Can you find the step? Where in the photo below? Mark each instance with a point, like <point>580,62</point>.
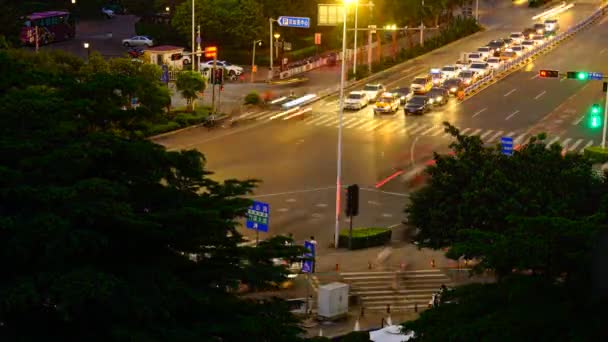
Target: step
<point>369,277</point>
<point>426,281</point>
<point>407,307</point>
<point>425,276</point>
<point>430,270</point>
<point>397,297</point>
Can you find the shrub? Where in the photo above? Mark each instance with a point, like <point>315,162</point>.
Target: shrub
<point>161,128</point>
<point>366,237</point>
<point>596,154</point>
<point>253,98</point>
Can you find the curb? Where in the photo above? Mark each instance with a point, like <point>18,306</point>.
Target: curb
<point>166,134</point>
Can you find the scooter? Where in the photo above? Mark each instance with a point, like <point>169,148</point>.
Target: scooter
<point>136,52</point>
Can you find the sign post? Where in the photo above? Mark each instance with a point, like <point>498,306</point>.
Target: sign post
<point>507,146</point>
<point>258,217</point>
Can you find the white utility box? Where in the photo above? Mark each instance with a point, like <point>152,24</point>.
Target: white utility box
<point>333,301</point>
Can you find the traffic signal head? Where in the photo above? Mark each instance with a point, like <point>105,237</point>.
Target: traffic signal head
<point>352,200</point>
<point>595,120</point>
<point>578,75</point>
<point>596,109</point>
<point>549,73</point>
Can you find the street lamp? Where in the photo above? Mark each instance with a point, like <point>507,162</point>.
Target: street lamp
<point>276,44</point>
<point>253,67</point>
<point>73,2</point>
<point>167,9</point>
<point>340,115</point>
<point>87,46</point>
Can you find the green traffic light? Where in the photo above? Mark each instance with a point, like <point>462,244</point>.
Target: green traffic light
<point>582,75</point>
<point>595,110</point>
<point>595,122</point>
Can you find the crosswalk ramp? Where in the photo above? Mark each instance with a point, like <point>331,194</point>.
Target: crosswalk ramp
<point>395,290</point>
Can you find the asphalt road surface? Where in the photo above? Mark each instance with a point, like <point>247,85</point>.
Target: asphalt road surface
<point>296,158</point>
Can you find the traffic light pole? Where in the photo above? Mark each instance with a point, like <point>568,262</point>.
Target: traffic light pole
<point>213,86</point>
<point>604,123</point>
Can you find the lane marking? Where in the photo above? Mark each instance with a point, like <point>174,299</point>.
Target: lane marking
<point>578,142</point>
<point>510,92</point>
<point>327,120</point>
<point>287,112</point>
<point>253,114</point>
<point>302,112</point>
<point>346,122</point>
<point>476,131</point>
<point>292,192</point>
<point>357,122</point>
<point>392,127</point>
<point>511,115</point>
<point>439,131</point>
<point>380,123</point>
<point>332,123</point>
<point>577,121</point>
<point>562,79</point>
<point>317,119</point>
<point>492,138</point>
<point>510,134</point>
<point>428,130</point>
<point>540,95</point>
<point>602,51</point>
<point>519,138</point>
<point>480,111</point>
<point>486,134</point>
<point>552,141</point>
<point>418,130</point>
<point>369,123</point>
<point>533,77</point>
<point>388,179</point>
<point>464,131</point>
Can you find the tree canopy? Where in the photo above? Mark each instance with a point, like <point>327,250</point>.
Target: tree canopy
<point>105,236</point>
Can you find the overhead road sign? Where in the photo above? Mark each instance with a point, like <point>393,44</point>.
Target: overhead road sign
<point>299,22</point>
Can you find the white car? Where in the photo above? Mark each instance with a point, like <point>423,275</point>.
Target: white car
<point>538,39</point>
<point>138,41</point>
<point>482,69</point>
<point>475,57</point>
<point>485,51</point>
<point>517,37</point>
<point>373,91</point>
<point>494,62</point>
<point>356,100</point>
<point>551,25</point>
<point>518,49</point>
<point>108,12</point>
<point>450,71</point>
<point>231,69</point>
<point>528,44</point>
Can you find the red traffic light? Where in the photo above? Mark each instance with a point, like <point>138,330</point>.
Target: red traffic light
<point>211,51</point>
<point>548,73</point>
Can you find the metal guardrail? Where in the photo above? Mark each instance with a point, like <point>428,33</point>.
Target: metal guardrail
<point>517,62</point>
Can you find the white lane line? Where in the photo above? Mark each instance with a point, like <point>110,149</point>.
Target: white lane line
<point>577,121</point>
<point>333,122</point>
<point>323,122</point>
<point>317,119</point>
<point>578,142</point>
<point>492,138</point>
<point>439,131</point>
<point>419,129</point>
<point>510,134</point>
<point>476,131</point>
<point>510,92</point>
<point>586,145</point>
<point>552,141</point>
<point>346,122</point>
<point>486,134</point>
<point>602,51</point>
<point>562,79</point>
<point>378,124</point>
<point>428,130</point>
<point>565,143</point>
<point>519,138</point>
<point>357,122</point>
<point>480,111</point>
<point>511,115</point>
<point>540,95</point>
<point>464,131</point>
<point>533,77</point>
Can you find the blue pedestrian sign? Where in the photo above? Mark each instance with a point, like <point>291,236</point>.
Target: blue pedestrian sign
<point>307,264</point>
<point>258,216</point>
<point>299,22</point>
<point>506,146</point>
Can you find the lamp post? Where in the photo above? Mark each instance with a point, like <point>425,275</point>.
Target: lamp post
<point>356,26</point>
<point>340,115</point>
<point>87,46</point>
<point>276,44</point>
<point>194,68</point>
<point>253,68</point>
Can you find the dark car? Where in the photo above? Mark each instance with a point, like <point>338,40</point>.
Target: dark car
<point>453,85</point>
<point>508,42</point>
<point>404,94</point>
<point>528,33</point>
<point>418,104</point>
<point>438,96</point>
<point>497,45</point>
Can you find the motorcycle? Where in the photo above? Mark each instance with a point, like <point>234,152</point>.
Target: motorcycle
<point>136,52</point>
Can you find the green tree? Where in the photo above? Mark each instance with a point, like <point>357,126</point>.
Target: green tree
<point>189,83</point>
<point>108,237</point>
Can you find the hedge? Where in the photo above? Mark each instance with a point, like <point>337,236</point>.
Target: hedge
<point>366,237</point>
<point>596,154</point>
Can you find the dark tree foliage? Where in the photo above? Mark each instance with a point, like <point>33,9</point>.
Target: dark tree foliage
<point>108,237</point>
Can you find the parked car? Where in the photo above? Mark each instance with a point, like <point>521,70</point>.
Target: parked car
<point>404,94</point>
<point>438,96</point>
<point>517,37</point>
<point>482,69</point>
<point>518,49</point>
<point>468,77</point>
<point>475,57</point>
<point>450,71</point>
<point>387,103</point>
<point>356,100</point>
<point>453,85</point>
<point>538,39</point>
<point>138,41</point>
<point>231,69</point>
<point>528,44</point>
<point>494,62</point>
<point>508,55</point>
<point>418,104</point>
<point>485,51</point>
<point>422,84</point>
<point>373,91</point>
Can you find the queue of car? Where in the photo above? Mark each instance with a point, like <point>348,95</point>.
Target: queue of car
<point>435,88</point>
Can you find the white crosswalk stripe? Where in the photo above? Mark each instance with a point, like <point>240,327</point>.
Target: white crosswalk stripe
<point>519,139</point>
<point>409,128</point>
<point>253,115</point>
<point>552,141</point>
<point>333,121</point>
<point>326,120</point>
<point>315,119</point>
<point>428,130</point>
<point>346,122</point>
<point>510,134</point>
<point>486,134</point>
<point>418,130</point>
<point>464,131</point>
<point>565,143</point>
<point>476,131</point>
<point>438,131</point>
<point>586,145</point>
<point>392,127</point>
<point>492,138</point>
<point>378,124</point>
<point>367,125</point>
<point>578,142</point>
<point>265,116</point>
<point>357,122</point>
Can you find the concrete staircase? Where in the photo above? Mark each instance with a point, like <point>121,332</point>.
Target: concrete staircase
<point>402,290</point>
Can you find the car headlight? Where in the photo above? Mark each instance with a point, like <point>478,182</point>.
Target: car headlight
<point>430,100</point>
<point>467,81</point>
<point>439,98</point>
<point>453,89</point>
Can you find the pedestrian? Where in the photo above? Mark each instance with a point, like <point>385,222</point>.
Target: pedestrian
<point>289,242</point>
<point>460,94</point>
<point>314,255</point>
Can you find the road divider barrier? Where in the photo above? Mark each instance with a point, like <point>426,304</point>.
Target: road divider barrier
<point>300,101</point>
<point>525,58</point>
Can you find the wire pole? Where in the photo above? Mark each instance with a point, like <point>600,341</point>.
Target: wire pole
<point>605,118</point>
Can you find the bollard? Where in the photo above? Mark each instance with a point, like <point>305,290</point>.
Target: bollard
<point>337,267</point>
<point>388,308</point>
<point>402,266</point>
<point>369,265</point>
<point>433,263</point>
<point>362,312</point>
<point>415,307</point>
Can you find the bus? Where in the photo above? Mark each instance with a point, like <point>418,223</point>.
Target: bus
<point>52,26</point>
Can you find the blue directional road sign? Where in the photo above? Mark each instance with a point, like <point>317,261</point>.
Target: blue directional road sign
<point>598,76</point>
<point>507,146</point>
<point>307,265</point>
<point>258,216</point>
<point>299,22</point>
